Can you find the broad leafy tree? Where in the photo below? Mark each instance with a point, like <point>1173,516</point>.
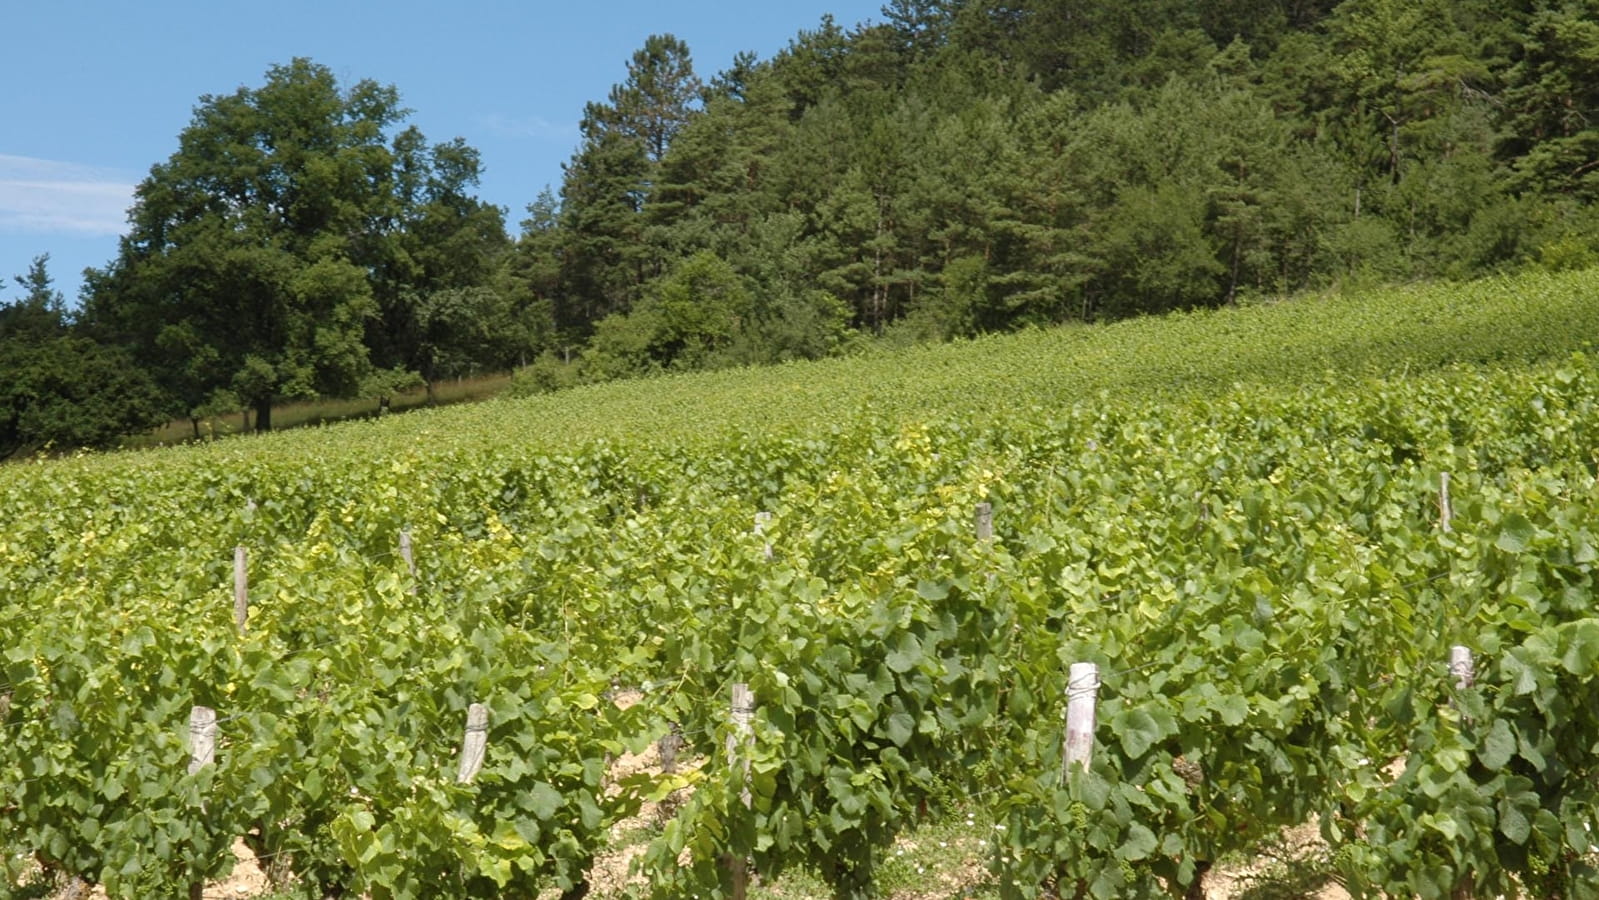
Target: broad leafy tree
<point>259,251</point>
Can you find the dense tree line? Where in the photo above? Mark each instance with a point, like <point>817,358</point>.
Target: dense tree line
<point>973,166</point>
<point>961,166</point>
<point>59,388</point>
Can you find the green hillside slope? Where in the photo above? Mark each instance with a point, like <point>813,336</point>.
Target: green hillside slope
<point>1507,320</point>
<point>1240,517</point>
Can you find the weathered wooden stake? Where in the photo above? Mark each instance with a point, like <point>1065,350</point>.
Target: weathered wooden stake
<point>1446,511</point>
<point>743,712</point>
<point>761,521</point>
<point>202,753</point>
<point>1461,667</point>
<point>474,743</point>
<point>408,556</point>
<point>1463,670</point>
<point>985,521</point>
<point>241,589</point>
<point>202,738</point>
<point>1082,695</point>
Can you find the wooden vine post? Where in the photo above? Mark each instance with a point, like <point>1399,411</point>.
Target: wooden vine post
<point>202,738</point>
<point>474,743</point>
<point>985,522</point>
<point>202,753</point>
<point>1082,697</point>
<point>762,519</point>
<point>406,554</point>
<point>738,742</point>
<point>1446,511</point>
<point>1463,670</point>
<point>241,589</point>
<point>1461,667</point>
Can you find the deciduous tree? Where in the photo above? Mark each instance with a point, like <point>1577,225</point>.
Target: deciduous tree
<point>258,252</point>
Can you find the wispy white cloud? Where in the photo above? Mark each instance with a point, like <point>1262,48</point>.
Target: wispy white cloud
<point>44,195</point>
<point>529,126</point>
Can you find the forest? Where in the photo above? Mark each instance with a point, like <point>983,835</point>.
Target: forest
<point>959,167</point>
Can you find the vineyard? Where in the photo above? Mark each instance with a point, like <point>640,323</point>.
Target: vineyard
<point>1267,528</point>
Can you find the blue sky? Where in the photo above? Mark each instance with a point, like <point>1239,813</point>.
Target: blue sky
<point>94,93</point>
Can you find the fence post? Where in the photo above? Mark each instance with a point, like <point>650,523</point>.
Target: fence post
<point>742,713</point>
<point>985,522</point>
<point>202,753</point>
<point>1082,695</point>
<point>241,589</point>
<point>1463,670</point>
<point>474,743</point>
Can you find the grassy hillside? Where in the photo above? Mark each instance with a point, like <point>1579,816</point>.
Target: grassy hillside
<point>1507,320</point>
<point>1149,517</point>
<point>1405,330</point>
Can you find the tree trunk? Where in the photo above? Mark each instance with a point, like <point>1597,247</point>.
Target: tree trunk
<point>1196,891</point>
<point>1238,253</point>
<point>263,414</point>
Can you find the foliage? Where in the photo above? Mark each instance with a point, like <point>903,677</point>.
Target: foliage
<point>68,392</point>
<point>544,375</point>
<point>283,227</point>
<point>972,167</point>
<point>1259,571</point>
<point>383,384</point>
<point>962,167</point>
<point>60,390</point>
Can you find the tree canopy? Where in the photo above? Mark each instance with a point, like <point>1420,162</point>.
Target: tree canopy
<point>968,165</point>
<point>290,236</point>
<point>62,390</point>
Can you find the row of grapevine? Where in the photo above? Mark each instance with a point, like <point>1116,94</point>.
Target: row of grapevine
<point>1261,577</point>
